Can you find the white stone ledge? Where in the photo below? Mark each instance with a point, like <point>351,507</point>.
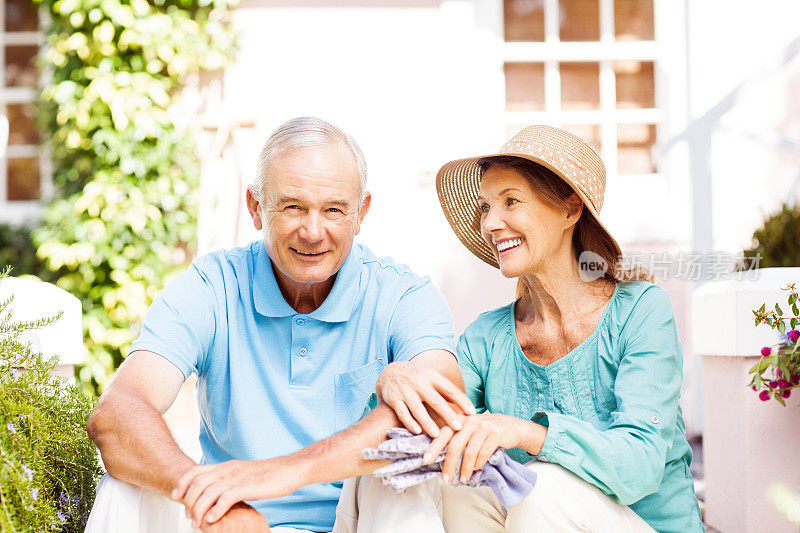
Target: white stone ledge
<point>34,300</point>
<point>722,312</point>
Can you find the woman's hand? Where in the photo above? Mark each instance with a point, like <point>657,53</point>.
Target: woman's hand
<point>406,388</point>
<point>208,491</point>
<point>481,435</point>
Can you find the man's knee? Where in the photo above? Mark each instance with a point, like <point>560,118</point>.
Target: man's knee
<point>125,508</point>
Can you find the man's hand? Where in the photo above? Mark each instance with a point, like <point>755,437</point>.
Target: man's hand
<point>208,491</point>
<point>406,388</point>
<point>241,518</point>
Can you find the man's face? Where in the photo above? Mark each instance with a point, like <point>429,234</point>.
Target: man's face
<point>310,212</point>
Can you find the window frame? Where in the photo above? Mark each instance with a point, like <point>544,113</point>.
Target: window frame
<point>552,51</point>
<point>21,211</point>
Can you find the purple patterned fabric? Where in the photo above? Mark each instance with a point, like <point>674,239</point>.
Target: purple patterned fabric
<point>508,479</point>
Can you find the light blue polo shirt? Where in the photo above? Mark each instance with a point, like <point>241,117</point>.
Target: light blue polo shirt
<point>272,381</point>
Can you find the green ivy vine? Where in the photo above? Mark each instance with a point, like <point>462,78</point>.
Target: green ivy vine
<point>125,170</point>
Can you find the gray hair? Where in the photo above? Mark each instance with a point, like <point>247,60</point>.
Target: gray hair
<point>305,132</point>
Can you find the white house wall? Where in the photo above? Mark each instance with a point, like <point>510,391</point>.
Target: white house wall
<point>744,92</point>
<point>416,86</point>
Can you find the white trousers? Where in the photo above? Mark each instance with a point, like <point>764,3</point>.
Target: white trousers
<point>368,506</point>
<point>124,508</point>
<point>559,501</point>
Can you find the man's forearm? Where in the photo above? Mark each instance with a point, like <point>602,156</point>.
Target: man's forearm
<point>339,456</point>
<point>136,445</point>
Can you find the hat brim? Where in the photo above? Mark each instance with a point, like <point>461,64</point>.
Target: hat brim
<point>458,183</point>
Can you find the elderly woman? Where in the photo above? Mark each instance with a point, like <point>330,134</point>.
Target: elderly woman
<point>582,372</point>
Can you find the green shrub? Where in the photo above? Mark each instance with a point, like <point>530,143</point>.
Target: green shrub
<point>125,174</point>
<point>48,466</point>
<point>778,240</point>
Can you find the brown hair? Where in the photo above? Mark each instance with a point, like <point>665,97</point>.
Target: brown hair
<point>588,234</point>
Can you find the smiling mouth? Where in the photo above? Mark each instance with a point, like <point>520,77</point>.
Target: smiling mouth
<point>306,254</point>
<point>510,244</point>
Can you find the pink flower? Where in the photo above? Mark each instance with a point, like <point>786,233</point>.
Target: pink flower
<point>766,350</point>
<point>794,335</point>
<point>773,384</point>
<point>796,379</point>
<point>754,387</point>
<point>786,393</point>
<point>783,384</point>
<point>764,396</point>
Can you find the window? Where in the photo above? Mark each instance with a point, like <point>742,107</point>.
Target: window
<point>591,67</point>
<point>21,169</point>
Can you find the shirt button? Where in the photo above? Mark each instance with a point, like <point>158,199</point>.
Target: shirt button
<point>303,352</point>
<point>655,419</point>
<point>299,321</point>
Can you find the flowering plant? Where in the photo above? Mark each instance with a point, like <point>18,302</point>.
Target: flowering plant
<point>778,371</point>
<point>48,466</point>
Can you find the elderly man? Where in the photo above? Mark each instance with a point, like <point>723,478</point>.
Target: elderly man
<point>288,337</point>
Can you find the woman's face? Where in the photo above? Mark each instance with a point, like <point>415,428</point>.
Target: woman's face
<point>522,230</point>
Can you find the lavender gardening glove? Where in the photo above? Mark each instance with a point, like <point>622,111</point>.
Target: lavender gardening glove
<point>509,480</point>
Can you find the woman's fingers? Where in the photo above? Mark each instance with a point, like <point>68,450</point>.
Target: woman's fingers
<point>471,454</point>
<point>437,445</point>
<point>454,451</point>
<point>487,449</point>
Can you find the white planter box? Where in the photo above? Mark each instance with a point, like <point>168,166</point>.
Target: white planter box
<point>748,445</point>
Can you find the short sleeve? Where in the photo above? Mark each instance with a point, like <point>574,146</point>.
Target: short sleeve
<point>180,324</point>
<point>420,322</point>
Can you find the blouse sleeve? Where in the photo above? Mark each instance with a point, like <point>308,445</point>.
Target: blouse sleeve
<point>626,460</point>
<point>466,353</point>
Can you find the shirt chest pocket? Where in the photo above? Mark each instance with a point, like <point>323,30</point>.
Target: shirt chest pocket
<point>352,390</point>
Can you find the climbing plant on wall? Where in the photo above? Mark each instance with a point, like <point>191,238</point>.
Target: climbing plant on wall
<point>125,169</point>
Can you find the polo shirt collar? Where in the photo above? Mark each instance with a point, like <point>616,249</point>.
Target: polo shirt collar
<point>337,307</point>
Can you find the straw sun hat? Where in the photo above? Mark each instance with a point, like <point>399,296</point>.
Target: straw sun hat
<point>569,157</point>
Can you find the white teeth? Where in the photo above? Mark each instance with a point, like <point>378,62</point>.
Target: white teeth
<point>307,253</point>
<point>505,245</point>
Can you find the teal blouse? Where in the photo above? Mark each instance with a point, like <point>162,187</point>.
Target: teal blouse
<point>611,404</point>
